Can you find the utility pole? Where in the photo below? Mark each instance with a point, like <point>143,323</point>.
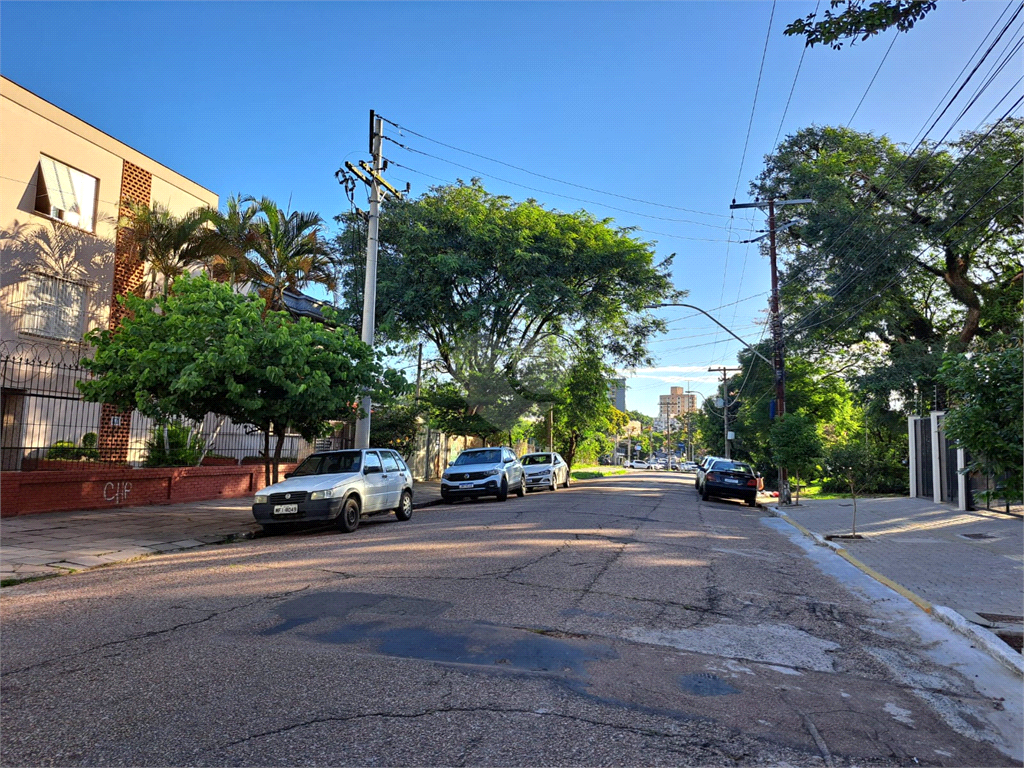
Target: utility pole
<point>725,403</point>
<point>371,175</point>
<point>776,319</point>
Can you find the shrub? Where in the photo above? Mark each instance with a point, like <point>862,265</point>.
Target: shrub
<point>63,449</point>
<point>183,449</point>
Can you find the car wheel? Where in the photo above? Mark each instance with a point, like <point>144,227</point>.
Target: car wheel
<point>521,490</point>
<point>503,490</point>
<point>752,501</point>
<point>404,509</point>
<point>704,495</point>
<point>446,498</point>
<point>565,483</point>
<point>554,483</point>
<point>348,520</point>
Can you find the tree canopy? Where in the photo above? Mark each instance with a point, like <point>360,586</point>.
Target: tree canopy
<point>490,283</point>
<point>859,19</point>
<point>914,250</point>
<point>205,349</point>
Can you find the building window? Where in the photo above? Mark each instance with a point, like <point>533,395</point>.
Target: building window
<point>53,308</point>
<point>67,194</point>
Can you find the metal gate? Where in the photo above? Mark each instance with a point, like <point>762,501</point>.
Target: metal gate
<point>923,433</point>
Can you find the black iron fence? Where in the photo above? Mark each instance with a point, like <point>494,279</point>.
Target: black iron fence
<point>47,425</point>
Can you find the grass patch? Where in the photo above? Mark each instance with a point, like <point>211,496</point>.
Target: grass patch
<point>589,473</point>
<point>815,492</point>
<point>26,580</point>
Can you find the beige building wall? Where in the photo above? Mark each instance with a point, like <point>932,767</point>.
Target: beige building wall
<point>33,243</point>
<point>676,403</point>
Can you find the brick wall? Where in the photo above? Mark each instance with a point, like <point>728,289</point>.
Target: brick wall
<point>29,493</point>
<point>136,186</point>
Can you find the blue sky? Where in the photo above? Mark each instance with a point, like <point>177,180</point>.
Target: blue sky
<point>650,101</point>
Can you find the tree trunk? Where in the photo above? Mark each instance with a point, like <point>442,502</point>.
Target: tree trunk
<point>280,432</point>
<point>797,475</point>
<point>266,454</point>
<point>853,493</point>
<point>207,445</point>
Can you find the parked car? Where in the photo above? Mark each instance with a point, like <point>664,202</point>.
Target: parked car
<point>638,464</point>
<point>338,485</point>
<point>702,467</point>
<point>545,470</point>
<point>688,466</point>
<point>483,472</point>
<point>729,479</point>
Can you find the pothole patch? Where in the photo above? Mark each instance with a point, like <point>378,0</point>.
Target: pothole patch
<point>766,643</point>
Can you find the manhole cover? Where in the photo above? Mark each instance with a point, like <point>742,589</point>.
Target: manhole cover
<point>977,535</point>
<point>705,684</point>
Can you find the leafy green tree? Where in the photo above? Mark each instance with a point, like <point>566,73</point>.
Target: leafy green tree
<point>796,445</point>
<point>986,390</point>
<point>169,244</point>
<point>232,237</point>
<point>903,255</point>
<point>204,349</point>
<point>396,425</point>
<point>859,19</point>
<point>490,282</point>
<point>583,410</point>
<point>851,463</point>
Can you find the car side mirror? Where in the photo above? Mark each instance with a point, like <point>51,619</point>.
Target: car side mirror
<point>287,475</point>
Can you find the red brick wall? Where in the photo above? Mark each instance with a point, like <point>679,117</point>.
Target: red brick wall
<point>29,493</point>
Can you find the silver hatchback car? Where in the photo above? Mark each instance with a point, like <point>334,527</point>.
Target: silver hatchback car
<point>340,486</point>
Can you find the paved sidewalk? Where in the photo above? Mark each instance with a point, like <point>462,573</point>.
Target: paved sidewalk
<point>62,542</point>
<point>971,562</point>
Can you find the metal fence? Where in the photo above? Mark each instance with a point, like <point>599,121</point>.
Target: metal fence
<point>47,425</point>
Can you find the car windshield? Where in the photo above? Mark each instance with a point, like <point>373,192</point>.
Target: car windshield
<point>329,464</point>
<point>477,457</point>
<point>537,458</point>
<point>732,466</point>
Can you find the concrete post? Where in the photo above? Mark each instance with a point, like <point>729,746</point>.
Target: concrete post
<point>912,454</point>
<point>961,480</point>
<point>936,458</point>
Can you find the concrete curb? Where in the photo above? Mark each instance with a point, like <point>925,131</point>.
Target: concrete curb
<point>981,637</point>
<point>984,639</point>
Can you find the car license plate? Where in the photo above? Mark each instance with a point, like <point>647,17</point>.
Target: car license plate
<point>465,485</point>
<point>732,480</point>
<point>286,509</point>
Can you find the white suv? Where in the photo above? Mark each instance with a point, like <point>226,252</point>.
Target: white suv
<point>483,472</point>
<point>340,486</point>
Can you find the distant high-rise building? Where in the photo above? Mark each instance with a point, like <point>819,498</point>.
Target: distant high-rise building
<point>676,403</point>
<point>617,393</point>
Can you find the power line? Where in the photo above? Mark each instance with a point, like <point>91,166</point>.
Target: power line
<point>543,191</point>
<point>402,128</point>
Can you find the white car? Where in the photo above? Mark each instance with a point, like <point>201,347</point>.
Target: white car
<point>545,470</point>
<point>338,485</point>
<point>638,464</point>
<point>483,472</point>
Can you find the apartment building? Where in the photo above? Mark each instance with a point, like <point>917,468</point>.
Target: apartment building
<point>675,404</point>
<point>64,263</point>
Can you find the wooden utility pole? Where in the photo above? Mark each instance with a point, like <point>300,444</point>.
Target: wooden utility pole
<point>725,403</point>
<point>776,319</point>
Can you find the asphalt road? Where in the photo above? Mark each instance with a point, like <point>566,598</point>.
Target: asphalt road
<point>619,622</point>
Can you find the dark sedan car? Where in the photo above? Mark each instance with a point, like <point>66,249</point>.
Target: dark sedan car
<point>730,480</point>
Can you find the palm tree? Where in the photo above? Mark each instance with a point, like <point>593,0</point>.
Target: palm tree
<point>169,244</point>
<point>288,252</point>
<point>232,236</point>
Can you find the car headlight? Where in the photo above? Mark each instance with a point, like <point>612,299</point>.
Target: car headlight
<point>493,471</point>
<point>328,494</point>
<point>262,498</point>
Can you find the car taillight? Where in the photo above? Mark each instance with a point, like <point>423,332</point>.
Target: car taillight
<point>712,477</point>
<point>752,482</point>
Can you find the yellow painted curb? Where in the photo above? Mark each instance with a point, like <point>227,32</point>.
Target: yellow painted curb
<point>920,602</point>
